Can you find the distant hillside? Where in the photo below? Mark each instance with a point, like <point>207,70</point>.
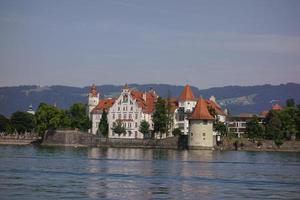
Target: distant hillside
<point>236,98</point>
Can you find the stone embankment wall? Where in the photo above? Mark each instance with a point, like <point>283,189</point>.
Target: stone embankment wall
<point>264,145</point>
<point>69,138</point>
<point>76,138</point>
<point>18,139</point>
<point>166,143</point>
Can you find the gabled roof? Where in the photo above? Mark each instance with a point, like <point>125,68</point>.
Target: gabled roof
<point>201,112</point>
<point>276,107</point>
<point>103,104</point>
<point>215,106</point>
<point>145,100</point>
<point>187,94</point>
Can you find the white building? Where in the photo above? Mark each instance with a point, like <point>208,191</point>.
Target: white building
<point>131,107</point>
<point>186,105</point>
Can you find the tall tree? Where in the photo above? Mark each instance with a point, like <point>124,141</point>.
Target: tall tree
<point>144,128</point>
<point>47,117</point>
<point>254,129</point>
<point>5,125</point>
<point>23,121</point>
<point>160,117</point>
<point>79,119</point>
<point>103,125</point>
<point>273,127</point>
<point>290,103</point>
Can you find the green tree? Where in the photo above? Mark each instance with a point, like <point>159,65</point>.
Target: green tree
<point>5,125</point>
<point>273,127</point>
<point>220,127</point>
<point>144,128</point>
<point>160,117</point>
<point>118,127</point>
<point>176,132</point>
<point>23,121</point>
<point>79,119</point>
<point>290,103</point>
<point>103,125</point>
<point>254,129</point>
<point>48,117</point>
<point>288,117</point>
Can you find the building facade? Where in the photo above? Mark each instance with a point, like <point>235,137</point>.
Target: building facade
<point>131,107</point>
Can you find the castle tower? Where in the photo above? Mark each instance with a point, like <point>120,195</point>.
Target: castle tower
<point>93,99</point>
<point>187,102</point>
<point>201,127</point>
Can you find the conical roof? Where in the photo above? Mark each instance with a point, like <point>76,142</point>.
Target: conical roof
<point>186,94</point>
<point>201,112</point>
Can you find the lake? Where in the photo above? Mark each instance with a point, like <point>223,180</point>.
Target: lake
<point>32,172</point>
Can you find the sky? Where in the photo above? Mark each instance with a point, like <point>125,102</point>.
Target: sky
<point>203,43</point>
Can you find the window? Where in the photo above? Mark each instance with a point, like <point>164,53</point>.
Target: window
<point>129,125</point>
<point>135,124</point>
<point>124,116</point>
<point>113,116</point>
<point>203,134</point>
<point>131,108</point>
<point>192,134</point>
<point>204,122</point>
<point>119,116</point>
<point>124,133</point>
<point>130,116</point>
<point>125,98</point>
<point>136,116</point>
<point>119,108</point>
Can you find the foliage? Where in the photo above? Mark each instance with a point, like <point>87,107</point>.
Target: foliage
<point>79,119</point>
<point>160,117</point>
<point>254,130</point>
<point>22,122</point>
<point>220,127</point>
<point>273,127</point>
<point>290,103</point>
<point>144,127</point>
<point>50,117</point>
<point>118,127</point>
<point>5,125</point>
<point>278,142</point>
<point>176,132</point>
<point>103,125</point>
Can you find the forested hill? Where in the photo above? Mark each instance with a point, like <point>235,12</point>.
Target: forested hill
<point>236,98</point>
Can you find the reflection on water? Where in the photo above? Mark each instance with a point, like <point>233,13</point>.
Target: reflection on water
<point>118,173</point>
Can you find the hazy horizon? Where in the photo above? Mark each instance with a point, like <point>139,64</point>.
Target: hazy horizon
<point>203,43</point>
<point>149,84</point>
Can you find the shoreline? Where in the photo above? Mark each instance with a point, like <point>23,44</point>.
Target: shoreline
<point>25,143</point>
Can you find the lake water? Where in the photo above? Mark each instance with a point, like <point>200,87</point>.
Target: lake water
<point>29,172</point>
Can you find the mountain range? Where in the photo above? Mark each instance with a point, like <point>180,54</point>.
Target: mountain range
<point>238,99</point>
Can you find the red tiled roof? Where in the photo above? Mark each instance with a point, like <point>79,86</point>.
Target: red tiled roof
<point>276,107</point>
<point>186,94</point>
<point>215,106</point>
<point>264,113</point>
<point>201,112</point>
<point>93,90</point>
<point>145,100</point>
<point>104,104</point>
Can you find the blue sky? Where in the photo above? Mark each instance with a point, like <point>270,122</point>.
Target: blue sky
<point>203,43</point>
